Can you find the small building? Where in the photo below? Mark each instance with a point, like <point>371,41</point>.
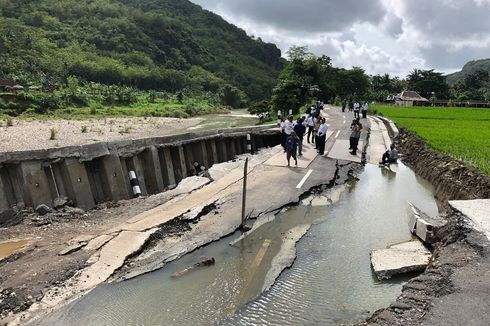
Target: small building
<point>410,98</point>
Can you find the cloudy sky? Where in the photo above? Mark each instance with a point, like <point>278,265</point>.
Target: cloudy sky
<point>382,36</point>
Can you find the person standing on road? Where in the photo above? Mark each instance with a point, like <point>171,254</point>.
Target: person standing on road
<point>344,104</point>
<point>365,108</point>
<point>354,136</point>
<point>300,130</point>
<point>283,134</point>
<point>356,110</point>
<point>310,123</point>
<point>318,122</point>
<point>292,144</point>
<point>322,134</point>
<point>351,105</point>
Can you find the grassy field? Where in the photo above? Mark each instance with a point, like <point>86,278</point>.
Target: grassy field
<point>463,133</point>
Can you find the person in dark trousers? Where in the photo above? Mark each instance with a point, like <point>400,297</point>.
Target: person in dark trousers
<point>292,144</point>
<point>364,109</point>
<point>322,134</point>
<point>344,104</point>
<point>283,134</point>
<point>390,156</point>
<point>310,123</point>
<point>318,122</point>
<point>351,105</point>
<point>355,128</point>
<point>300,130</point>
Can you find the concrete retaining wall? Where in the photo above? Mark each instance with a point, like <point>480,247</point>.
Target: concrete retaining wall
<point>96,173</point>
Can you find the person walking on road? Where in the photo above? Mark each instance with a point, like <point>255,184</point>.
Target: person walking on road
<point>287,128</point>
<point>322,134</point>
<point>344,104</point>
<point>351,105</point>
<point>300,130</point>
<point>310,123</point>
<point>292,144</point>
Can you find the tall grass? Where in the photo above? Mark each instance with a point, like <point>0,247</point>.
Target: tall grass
<point>463,133</point>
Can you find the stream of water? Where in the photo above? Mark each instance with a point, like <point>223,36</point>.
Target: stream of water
<point>330,282</point>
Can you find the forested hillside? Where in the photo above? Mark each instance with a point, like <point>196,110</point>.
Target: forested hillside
<point>166,45</point>
<point>468,69</point>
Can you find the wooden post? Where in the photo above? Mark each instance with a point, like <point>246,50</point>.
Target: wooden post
<point>244,197</point>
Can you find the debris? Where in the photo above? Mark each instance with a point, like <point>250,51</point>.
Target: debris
<point>60,202</point>
<point>72,248</point>
<point>405,257</point>
<point>423,226</point>
<point>204,262</point>
<point>43,209</point>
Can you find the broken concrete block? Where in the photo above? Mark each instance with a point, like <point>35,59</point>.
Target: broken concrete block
<point>402,258</point>
<point>427,228</point>
<point>43,209</point>
<point>72,248</point>
<point>413,216</point>
<point>423,226</point>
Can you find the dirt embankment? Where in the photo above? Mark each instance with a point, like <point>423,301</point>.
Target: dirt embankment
<point>452,179</point>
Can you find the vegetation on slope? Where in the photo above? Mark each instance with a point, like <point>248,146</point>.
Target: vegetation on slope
<point>165,45</point>
<point>463,133</point>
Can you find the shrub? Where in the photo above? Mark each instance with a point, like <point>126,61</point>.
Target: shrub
<point>84,129</point>
<point>10,122</point>
<point>52,133</point>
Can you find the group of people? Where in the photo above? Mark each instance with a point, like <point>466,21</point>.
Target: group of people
<point>356,107</point>
<point>315,128</point>
<point>293,132</point>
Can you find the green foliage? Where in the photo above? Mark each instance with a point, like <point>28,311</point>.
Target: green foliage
<point>468,69</point>
<point>463,133</point>
<point>307,77</point>
<point>163,45</point>
<point>428,83</point>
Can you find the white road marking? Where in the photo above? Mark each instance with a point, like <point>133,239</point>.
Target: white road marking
<point>301,183</point>
<point>337,135</point>
<point>344,122</point>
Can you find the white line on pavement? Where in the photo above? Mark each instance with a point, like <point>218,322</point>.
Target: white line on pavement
<point>301,183</point>
<point>337,135</point>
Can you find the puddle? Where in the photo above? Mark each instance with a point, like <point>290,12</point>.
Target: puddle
<point>10,247</point>
<point>331,281</point>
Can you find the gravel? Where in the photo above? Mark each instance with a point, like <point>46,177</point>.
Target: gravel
<point>35,135</point>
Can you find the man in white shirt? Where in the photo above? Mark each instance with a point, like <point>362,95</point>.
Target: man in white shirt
<point>322,134</point>
<point>289,126</point>
<point>310,124</point>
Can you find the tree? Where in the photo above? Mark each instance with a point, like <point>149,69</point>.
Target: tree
<point>428,83</point>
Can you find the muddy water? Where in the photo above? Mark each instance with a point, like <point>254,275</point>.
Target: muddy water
<point>10,247</point>
<point>237,118</point>
<point>330,282</point>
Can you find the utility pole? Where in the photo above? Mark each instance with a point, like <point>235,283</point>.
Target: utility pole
<point>244,197</point>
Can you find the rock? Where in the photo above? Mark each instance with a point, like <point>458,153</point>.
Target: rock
<point>74,210</point>
<point>43,209</point>
<point>72,248</point>
<point>60,202</point>
<point>406,257</point>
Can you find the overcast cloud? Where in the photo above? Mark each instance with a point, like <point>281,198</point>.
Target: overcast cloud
<point>382,36</point>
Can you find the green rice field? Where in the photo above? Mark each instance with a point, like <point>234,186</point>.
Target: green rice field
<point>463,133</point>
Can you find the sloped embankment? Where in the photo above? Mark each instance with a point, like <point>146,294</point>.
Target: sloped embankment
<point>451,178</point>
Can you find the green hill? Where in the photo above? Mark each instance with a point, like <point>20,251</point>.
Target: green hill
<point>469,68</point>
<point>165,45</point>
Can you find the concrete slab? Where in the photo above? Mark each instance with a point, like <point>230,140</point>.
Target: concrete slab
<point>377,143</point>
<point>340,151</point>
<point>477,211</point>
<point>405,257</point>
<point>98,242</point>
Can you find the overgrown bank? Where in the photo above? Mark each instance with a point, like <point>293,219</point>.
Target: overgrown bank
<point>452,179</point>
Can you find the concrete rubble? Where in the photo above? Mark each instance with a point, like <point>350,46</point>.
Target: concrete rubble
<point>401,258</point>
<point>423,226</point>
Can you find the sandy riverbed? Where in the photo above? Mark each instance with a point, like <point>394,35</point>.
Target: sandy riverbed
<point>35,135</point>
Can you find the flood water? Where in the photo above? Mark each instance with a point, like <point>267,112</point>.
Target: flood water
<point>10,247</point>
<point>330,282</point>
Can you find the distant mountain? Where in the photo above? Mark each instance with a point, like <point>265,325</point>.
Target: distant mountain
<point>149,44</point>
<point>470,67</point>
